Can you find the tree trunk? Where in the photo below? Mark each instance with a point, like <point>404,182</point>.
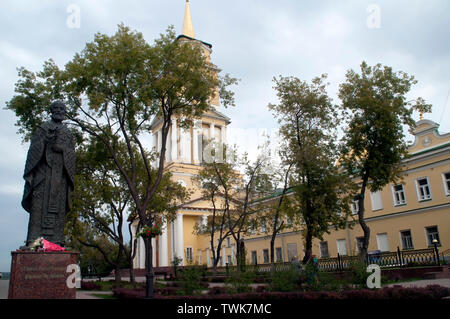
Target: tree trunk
<point>362,222</point>
<point>240,255</point>
<point>308,246</point>
<point>117,275</point>
<point>272,254</point>
<point>132,278</point>
<point>216,260</point>
<point>149,268</point>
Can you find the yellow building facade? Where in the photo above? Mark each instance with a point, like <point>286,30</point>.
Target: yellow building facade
<point>406,215</point>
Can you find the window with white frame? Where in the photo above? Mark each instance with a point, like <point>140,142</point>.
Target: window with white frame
<point>342,247</point>
<point>432,234</point>
<point>266,255</point>
<point>446,179</point>
<point>355,206</point>
<point>189,255</point>
<point>407,242</point>
<point>263,227</point>
<point>383,242</point>
<point>229,259</point>
<point>228,242</point>
<point>278,254</point>
<point>423,189</point>
<point>289,222</point>
<point>376,201</point>
<point>398,192</point>
<point>324,249</point>
<point>359,243</point>
<point>251,228</point>
<point>254,257</point>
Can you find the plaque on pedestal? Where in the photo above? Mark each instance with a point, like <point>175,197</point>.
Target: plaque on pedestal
<point>42,275</point>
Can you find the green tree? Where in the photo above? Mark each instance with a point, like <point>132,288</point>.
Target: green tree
<point>257,182</point>
<point>103,203</point>
<point>114,88</point>
<point>374,146</point>
<point>92,260</point>
<point>233,196</point>
<point>217,180</point>
<point>276,212</point>
<point>307,123</point>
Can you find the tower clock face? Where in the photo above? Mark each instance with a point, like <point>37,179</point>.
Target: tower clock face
<point>426,141</point>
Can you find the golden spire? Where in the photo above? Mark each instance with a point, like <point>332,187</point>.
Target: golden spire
<point>188,28</point>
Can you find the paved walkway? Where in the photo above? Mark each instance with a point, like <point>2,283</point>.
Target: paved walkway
<point>84,294</point>
<point>4,286</point>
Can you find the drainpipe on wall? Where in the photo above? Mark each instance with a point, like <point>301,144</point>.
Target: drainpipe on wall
<point>349,242</point>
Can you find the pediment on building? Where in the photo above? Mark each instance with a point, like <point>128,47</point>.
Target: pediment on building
<point>203,203</point>
<point>427,138</point>
<point>212,113</point>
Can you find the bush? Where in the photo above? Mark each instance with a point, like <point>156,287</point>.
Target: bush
<point>239,281</point>
<point>217,290</point>
<point>359,274</point>
<point>190,282</point>
<point>123,293</point>
<point>329,282</point>
<point>285,280</point>
<point>89,285</point>
<point>261,289</point>
<point>167,291</point>
<point>429,292</point>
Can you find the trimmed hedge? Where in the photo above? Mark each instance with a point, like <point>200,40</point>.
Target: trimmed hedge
<point>89,285</point>
<point>391,293</point>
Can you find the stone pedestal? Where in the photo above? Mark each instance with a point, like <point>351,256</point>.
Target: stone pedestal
<point>42,275</point>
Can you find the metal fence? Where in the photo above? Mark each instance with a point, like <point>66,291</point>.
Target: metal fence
<point>400,258</point>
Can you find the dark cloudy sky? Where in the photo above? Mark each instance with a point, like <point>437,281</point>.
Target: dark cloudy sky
<point>253,40</point>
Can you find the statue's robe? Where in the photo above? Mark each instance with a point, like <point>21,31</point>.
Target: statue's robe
<point>49,182</point>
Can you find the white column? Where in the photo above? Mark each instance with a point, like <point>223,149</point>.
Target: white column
<point>224,259</point>
<point>159,141</point>
<point>154,252</point>
<point>133,235</point>
<point>233,256</point>
<point>141,253</point>
<point>207,257</point>
<point>163,249</point>
<point>223,131</point>
<point>174,145</point>
<point>185,145</point>
<point>155,144</point>
<point>211,131</point>
<point>179,241</point>
<point>168,147</point>
<point>196,145</point>
<point>172,236</point>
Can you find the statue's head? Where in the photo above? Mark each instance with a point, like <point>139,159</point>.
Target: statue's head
<point>58,111</point>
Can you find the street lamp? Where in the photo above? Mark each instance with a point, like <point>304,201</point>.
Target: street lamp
<point>435,243</point>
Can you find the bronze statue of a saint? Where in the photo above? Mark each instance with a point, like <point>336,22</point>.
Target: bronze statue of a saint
<point>49,178</point>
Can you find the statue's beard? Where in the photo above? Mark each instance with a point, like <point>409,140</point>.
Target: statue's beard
<point>58,117</point>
